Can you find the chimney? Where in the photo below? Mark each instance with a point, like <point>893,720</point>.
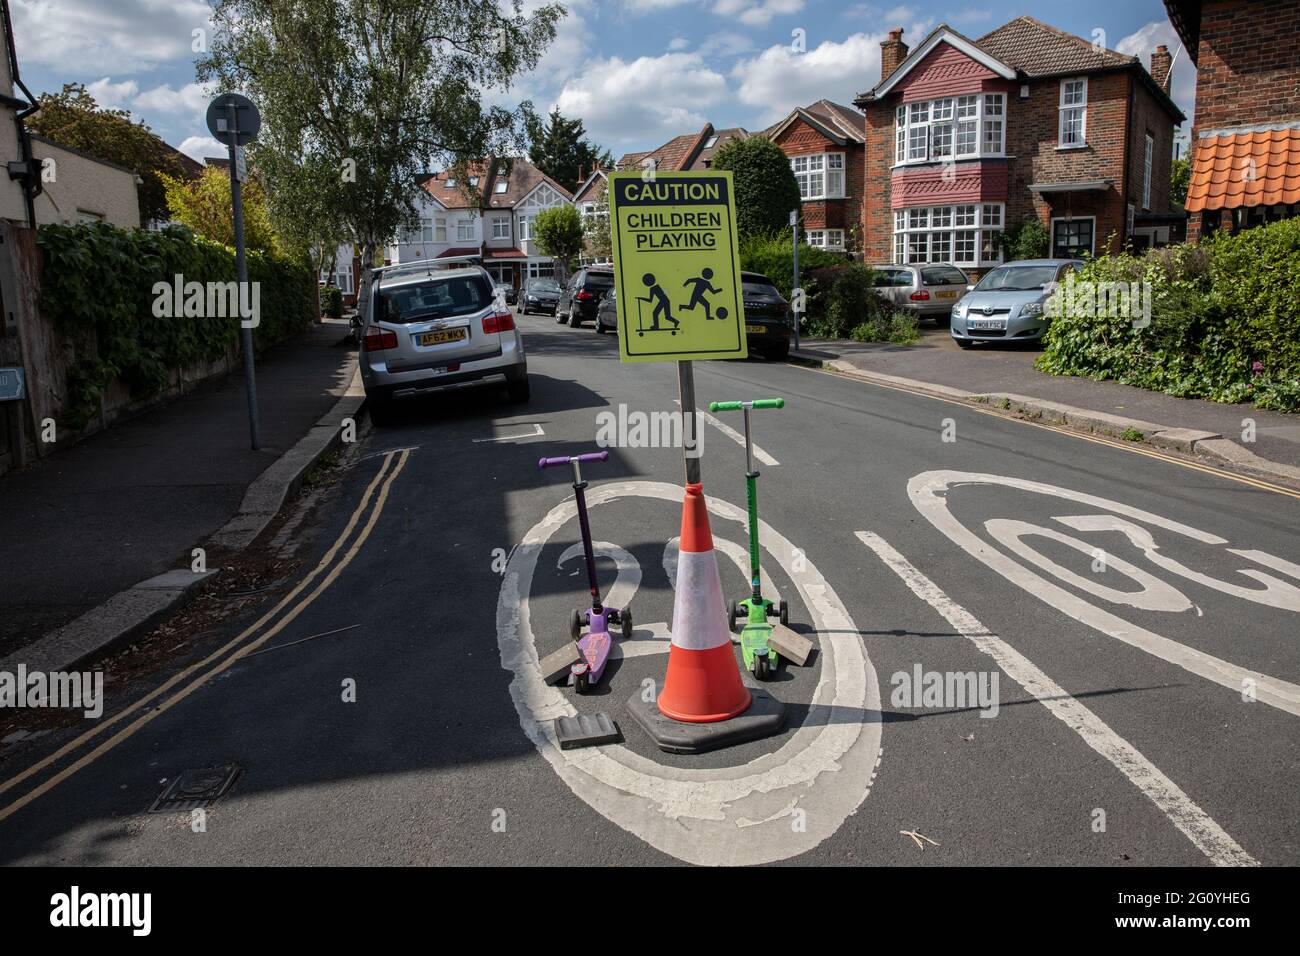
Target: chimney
<point>1160,63</point>
<point>892,52</point>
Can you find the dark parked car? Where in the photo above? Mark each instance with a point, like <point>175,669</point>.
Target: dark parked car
<point>768,323</point>
<point>581,297</point>
<point>539,295</point>
<point>607,314</point>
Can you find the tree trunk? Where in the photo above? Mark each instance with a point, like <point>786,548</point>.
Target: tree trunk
<point>363,293</point>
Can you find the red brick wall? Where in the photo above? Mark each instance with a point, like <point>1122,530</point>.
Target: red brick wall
<point>1248,63</point>
<point>1150,117</point>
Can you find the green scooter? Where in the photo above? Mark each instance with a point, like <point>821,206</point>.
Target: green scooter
<point>760,659</point>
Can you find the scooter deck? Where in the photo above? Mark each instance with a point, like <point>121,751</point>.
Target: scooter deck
<point>754,642</point>
<point>594,648</point>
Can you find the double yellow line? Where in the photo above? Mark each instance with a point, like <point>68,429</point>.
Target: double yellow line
<point>326,570</point>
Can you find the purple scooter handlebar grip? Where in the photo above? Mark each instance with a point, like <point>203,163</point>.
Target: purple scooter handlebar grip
<point>590,456</point>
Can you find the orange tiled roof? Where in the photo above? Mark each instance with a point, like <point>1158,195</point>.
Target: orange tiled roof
<point>1258,168</point>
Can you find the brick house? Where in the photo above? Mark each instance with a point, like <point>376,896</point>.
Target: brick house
<point>686,152</point>
<point>969,138</point>
<point>1246,138</point>
<point>826,143</point>
<point>489,214</point>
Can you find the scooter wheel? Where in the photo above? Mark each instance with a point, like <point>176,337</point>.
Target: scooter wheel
<point>760,666</point>
<point>785,614</point>
<point>625,619</point>
<point>575,625</point>
<point>733,612</point>
<point>580,684</point>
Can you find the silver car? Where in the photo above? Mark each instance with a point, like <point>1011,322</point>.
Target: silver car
<point>1008,302</point>
<point>928,290</point>
<point>431,329</point>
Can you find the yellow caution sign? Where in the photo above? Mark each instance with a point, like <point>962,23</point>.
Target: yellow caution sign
<point>676,267</point>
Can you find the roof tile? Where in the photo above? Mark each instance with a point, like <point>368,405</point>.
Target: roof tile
<point>1231,170</point>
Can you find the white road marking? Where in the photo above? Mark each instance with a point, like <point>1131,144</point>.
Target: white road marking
<point>1208,837</point>
<point>825,767</point>
<point>537,430</point>
<point>928,492</point>
<point>734,435</point>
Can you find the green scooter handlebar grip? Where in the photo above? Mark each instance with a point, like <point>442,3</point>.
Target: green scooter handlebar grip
<point>737,406</point>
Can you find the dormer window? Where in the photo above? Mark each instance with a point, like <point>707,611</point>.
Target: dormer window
<point>500,187</point>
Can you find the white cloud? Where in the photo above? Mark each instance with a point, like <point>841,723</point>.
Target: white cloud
<point>756,12</point>
<point>677,44</point>
<point>1182,86</point>
<point>121,36</point>
<point>650,6</point>
<point>634,103</point>
<point>189,98</point>
<point>113,95</point>
<point>200,147</point>
<point>778,79</point>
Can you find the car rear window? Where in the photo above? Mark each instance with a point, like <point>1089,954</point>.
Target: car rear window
<point>435,299</point>
<point>759,288</point>
<point>942,275</point>
<point>599,280</point>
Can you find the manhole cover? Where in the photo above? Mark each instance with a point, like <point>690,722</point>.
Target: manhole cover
<point>194,789</point>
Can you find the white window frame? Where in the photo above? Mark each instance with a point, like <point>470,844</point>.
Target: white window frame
<point>1146,171</point>
<point>1056,220</point>
<point>834,238</point>
<point>819,175</point>
<point>498,232</point>
<point>525,228</point>
<point>933,131</point>
<point>971,225</point>
<point>465,231</point>
<point>1066,110</point>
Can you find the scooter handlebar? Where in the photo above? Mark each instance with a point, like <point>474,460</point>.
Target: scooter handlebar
<point>590,456</point>
<point>756,403</point>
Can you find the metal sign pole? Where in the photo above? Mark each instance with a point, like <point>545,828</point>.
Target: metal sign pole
<point>690,421</point>
<point>794,290</point>
<point>241,270</point>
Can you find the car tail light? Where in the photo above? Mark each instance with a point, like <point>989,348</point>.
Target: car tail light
<point>584,296</point>
<point>378,339</point>
<point>501,322</point>
<point>921,296</point>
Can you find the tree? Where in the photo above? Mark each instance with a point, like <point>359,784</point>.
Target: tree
<point>766,190</point>
<point>560,150</point>
<point>72,118</point>
<point>558,233</point>
<point>360,97</point>
<point>204,205</point>
<point>1180,177</point>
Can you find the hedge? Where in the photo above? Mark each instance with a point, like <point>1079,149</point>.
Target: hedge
<point>1225,321</point>
<point>98,281</point>
<point>771,256</point>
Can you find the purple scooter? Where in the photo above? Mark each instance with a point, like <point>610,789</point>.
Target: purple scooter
<point>595,646</point>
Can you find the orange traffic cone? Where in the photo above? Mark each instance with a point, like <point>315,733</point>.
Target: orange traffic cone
<point>703,681</point>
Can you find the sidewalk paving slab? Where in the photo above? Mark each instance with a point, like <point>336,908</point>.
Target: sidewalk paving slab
<point>86,532</point>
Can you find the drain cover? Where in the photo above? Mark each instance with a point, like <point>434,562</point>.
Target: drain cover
<point>194,789</point>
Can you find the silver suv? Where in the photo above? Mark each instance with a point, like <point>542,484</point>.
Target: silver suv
<point>430,329</point>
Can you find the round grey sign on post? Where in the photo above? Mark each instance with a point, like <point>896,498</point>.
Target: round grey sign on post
<point>247,120</point>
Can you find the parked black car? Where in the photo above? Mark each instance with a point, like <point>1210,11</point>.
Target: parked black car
<point>539,295</point>
<point>581,297</point>
<point>607,314</point>
<point>768,322</point>
<point>508,292</point>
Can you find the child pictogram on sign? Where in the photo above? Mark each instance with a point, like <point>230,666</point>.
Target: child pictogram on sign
<point>662,308</point>
<point>700,285</point>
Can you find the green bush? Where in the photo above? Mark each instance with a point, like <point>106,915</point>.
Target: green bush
<point>97,285</point>
<point>1225,322</point>
<point>766,190</point>
<point>770,255</point>
<point>331,302</point>
<point>1028,240</point>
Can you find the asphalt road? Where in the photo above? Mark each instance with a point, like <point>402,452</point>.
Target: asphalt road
<point>1138,615</point>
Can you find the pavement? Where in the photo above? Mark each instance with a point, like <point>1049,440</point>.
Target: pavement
<point>1130,618</point>
<point>80,529</point>
<point>1008,367</point>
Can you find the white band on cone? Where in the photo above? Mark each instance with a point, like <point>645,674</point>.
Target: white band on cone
<point>699,613</point>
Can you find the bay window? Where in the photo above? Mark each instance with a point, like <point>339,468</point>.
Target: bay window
<point>967,234</point>
<point>819,176</point>
<point>825,238</point>
<point>953,127</point>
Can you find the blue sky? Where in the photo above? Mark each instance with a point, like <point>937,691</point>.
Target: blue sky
<point>636,71</point>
